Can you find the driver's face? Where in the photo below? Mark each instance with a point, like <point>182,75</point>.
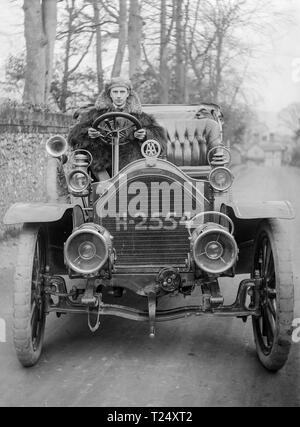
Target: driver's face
<point>119,96</point>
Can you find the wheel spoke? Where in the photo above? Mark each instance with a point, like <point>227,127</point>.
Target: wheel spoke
<point>39,263</point>
<point>33,310</point>
<point>263,258</point>
<point>271,292</point>
<point>270,275</point>
<point>268,257</point>
<point>36,303</point>
<point>36,322</point>
<point>272,309</point>
<point>268,326</point>
<point>271,271</point>
<point>271,283</point>
<point>34,319</point>
<point>271,319</point>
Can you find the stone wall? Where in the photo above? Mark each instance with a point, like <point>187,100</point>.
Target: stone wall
<point>23,135</point>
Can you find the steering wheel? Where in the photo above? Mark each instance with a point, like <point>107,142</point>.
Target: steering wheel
<point>111,129</point>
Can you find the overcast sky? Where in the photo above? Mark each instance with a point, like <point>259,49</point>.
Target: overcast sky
<point>279,66</point>
<point>282,66</point>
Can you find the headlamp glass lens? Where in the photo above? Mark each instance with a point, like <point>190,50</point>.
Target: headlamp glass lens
<point>87,250</point>
<point>221,179</point>
<point>214,250</point>
<point>79,181</point>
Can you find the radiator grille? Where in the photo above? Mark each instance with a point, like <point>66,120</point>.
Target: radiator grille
<point>154,238</point>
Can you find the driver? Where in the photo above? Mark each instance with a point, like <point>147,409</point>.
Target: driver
<point>118,96</point>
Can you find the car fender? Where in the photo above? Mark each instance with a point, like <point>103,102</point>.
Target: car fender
<point>246,217</point>
<point>260,210</point>
<point>22,213</point>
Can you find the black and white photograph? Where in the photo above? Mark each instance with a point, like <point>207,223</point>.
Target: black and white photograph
<point>149,206</point>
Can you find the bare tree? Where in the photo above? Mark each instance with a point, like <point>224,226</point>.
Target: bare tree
<point>122,38</point>
<point>191,49</point>
<point>70,7</point>
<point>225,17</point>
<point>290,118</point>
<point>217,52</point>
<point>49,10</point>
<point>100,72</point>
<point>135,27</point>
<point>39,30</point>
<point>180,57</point>
<point>165,36</point>
<point>159,18</point>
<point>77,23</point>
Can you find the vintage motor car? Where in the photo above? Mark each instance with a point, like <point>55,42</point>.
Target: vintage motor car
<point>160,227</point>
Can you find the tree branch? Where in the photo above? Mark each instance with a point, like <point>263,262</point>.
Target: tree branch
<point>82,56</point>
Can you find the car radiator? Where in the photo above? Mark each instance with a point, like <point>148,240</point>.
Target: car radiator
<point>154,234</point>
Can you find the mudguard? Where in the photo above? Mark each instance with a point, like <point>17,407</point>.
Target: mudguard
<point>41,213</point>
<point>246,217</point>
<point>261,210</point>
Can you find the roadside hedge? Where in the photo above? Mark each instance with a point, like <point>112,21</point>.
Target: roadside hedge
<point>22,170</point>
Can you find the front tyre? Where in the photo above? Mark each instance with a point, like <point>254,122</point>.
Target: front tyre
<point>272,261</point>
<point>29,299</point>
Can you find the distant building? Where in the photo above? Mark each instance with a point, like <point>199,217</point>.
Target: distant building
<point>269,149</point>
<point>255,155</point>
<point>273,155</point>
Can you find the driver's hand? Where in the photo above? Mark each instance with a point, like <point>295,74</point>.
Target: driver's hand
<point>140,134</point>
<point>93,133</point>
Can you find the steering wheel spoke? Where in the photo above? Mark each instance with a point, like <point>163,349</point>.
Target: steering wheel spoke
<point>102,129</point>
<point>127,128</point>
<point>112,126</point>
<point>114,131</point>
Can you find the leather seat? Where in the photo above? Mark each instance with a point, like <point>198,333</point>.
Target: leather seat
<point>186,145</point>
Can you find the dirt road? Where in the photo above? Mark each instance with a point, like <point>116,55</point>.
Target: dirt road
<point>194,362</point>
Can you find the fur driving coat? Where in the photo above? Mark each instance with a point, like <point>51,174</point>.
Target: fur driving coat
<point>78,138</point>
